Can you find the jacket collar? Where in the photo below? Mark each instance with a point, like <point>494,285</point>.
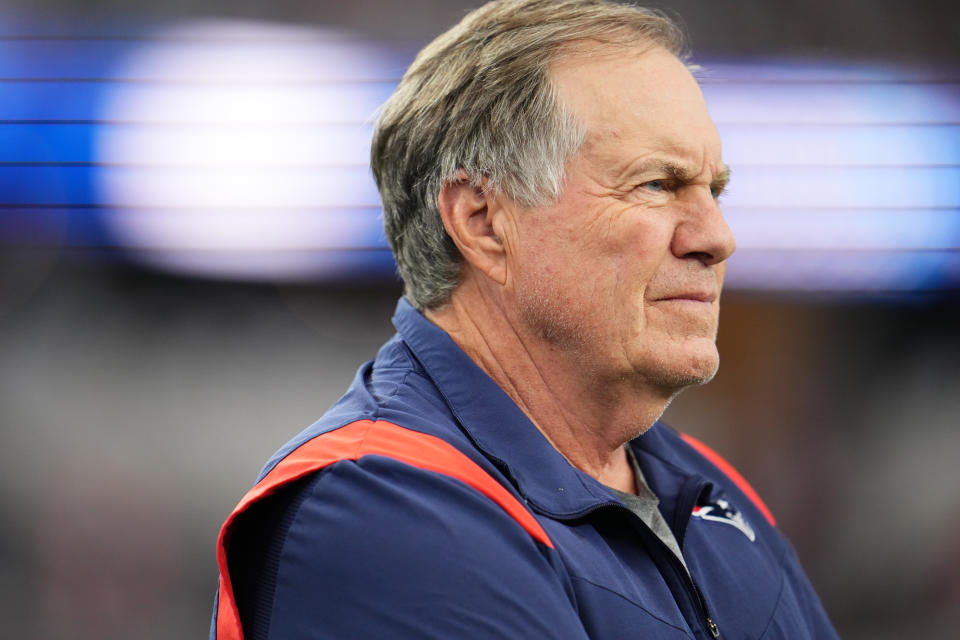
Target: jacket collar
<point>498,427</point>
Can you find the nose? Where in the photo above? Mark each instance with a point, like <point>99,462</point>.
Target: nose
<point>702,233</point>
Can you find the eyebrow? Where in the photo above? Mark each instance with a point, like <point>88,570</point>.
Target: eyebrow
<point>722,178</point>
<point>683,174</point>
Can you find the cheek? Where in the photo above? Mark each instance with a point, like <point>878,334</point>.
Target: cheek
<point>644,273</point>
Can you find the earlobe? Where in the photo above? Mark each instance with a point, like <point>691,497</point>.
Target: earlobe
<point>468,212</point>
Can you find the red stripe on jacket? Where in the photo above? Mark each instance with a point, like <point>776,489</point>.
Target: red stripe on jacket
<point>352,442</point>
<point>731,473</point>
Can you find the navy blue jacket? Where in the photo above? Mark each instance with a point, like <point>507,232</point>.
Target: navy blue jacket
<point>425,504</point>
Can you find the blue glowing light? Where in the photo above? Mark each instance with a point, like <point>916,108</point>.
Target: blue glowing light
<point>239,150</point>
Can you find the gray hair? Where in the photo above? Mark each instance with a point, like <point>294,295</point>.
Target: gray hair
<point>479,98</point>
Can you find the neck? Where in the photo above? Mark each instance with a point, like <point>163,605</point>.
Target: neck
<point>587,418</point>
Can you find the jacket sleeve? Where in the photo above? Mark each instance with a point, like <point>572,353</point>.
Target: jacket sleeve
<point>375,548</point>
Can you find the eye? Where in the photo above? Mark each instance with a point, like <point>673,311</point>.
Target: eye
<point>655,185</point>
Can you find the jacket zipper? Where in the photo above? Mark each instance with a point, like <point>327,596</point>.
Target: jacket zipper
<point>711,625</point>
<point>699,600</point>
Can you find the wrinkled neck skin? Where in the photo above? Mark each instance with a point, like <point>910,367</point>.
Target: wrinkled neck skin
<point>586,417</point>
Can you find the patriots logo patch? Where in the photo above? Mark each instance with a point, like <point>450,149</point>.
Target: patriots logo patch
<point>722,511</point>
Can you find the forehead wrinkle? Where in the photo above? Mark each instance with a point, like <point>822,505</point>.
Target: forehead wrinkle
<point>625,135</point>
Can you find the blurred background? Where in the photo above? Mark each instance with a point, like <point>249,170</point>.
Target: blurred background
<point>192,268</point>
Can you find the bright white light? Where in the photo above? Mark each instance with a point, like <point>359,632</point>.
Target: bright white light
<point>845,177</point>
<point>889,103</point>
<point>238,149</point>
<point>840,230</point>
<point>836,146</point>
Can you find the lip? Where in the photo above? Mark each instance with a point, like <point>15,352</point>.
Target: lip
<point>689,296</point>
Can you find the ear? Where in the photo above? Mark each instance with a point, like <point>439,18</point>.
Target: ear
<point>468,214</point>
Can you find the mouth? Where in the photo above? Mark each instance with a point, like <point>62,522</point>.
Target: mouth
<point>707,297</point>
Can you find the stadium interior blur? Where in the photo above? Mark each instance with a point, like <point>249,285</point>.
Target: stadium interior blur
<point>192,268</point>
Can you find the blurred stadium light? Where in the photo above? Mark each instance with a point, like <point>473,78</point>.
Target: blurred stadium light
<point>239,150</point>
<point>847,177</point>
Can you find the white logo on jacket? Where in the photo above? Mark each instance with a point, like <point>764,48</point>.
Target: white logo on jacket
<point>722,511</point>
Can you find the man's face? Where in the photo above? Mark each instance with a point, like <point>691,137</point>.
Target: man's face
<point>623,273</point>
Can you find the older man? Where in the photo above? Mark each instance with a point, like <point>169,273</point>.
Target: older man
<point>550,179</point>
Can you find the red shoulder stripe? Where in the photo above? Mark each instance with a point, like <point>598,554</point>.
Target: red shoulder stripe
<point>731,473</point>
<point>351,442</point>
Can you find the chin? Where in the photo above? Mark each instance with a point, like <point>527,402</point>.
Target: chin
<point>690,371</point>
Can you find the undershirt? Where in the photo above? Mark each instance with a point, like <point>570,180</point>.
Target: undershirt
<point>646,506</point>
